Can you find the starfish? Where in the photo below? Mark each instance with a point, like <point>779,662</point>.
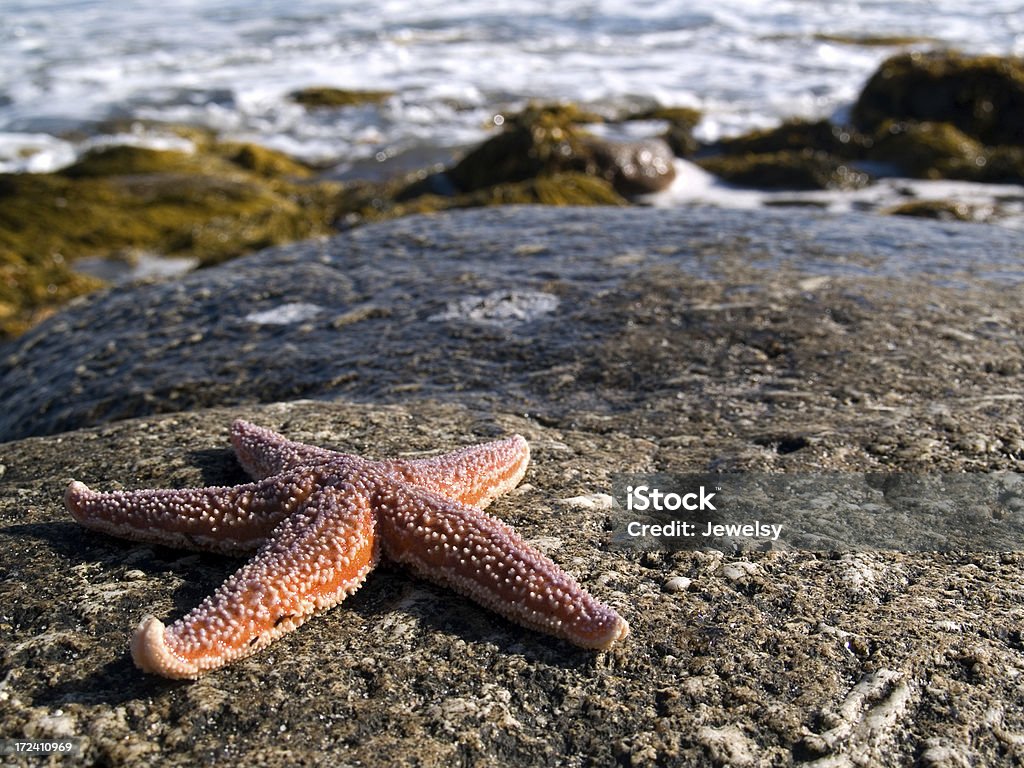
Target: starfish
<point>319,521</point>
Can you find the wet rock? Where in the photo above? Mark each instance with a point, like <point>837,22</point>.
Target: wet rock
<point>943,210</point>
<point>787,169</point>
<point>633,167</point>
<point>941,151</point>
<point>684,340</point>
<point>544,141</point>
<point>211,204</point>
<point>780,333</point>
<point>796,136</point>
<point>981,96</point>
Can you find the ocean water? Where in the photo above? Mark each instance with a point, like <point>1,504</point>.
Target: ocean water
<point>66,66</point>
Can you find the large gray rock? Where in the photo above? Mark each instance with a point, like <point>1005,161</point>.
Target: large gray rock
<point>764,330</point>
<point>616,342</point>
<point>765,659</point>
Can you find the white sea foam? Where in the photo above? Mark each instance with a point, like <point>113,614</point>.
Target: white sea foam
<point>695,186</point>
<point>230,65</point>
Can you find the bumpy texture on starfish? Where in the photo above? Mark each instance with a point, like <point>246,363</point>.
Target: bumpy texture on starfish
<point>320,521</point>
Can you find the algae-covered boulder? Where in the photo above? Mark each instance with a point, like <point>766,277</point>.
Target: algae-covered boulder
<point>805,169</point>
<point>33,288</point>
<point>933,115</point>
<point>546,140</point>
<point>538,141</point>
<point>929,150</point>
<point>379,202</point>
<point>263,160</point>
<point>212,204</point>
<point>941,151</point>
<point>169,202</point>
<point>558,189</point>
<point>126,160</point>
<point>797,135</point>
<point>982,96</point>
<point>797,155</point>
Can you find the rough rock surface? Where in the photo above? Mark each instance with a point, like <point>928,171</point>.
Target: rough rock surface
<point>615,341</point>
<point>739,331</point>
<point>768,659</point>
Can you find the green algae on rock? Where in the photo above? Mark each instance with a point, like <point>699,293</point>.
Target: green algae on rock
<point>797,155</point>
<point>262,160</point>
<point>205,207</point>
<point>547,140</point>
<point>927,150</point>
<point>941,210</point>
<point>33,289</point>
<point>213,204</point>
<point>541,156</point>
<point>939,115</point>
<point>558,189</point>
<point>982,96</point>
<point>330,97</point>
<point>380,202</point>
<point>797,135</point>
<point>805,169</point>
<point>942,151</point>
<point>879,41</point>
<point>540,140</point>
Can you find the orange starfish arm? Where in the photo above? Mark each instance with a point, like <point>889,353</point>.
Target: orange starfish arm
<point>228,520</point>
<point>314,560</point>
<point>475,475</point>
<point>263,452</point>
<point>481,557</point>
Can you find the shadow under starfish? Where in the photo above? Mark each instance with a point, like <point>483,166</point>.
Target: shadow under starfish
<point>320,521</point>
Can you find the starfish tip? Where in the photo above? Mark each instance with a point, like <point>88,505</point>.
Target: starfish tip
<point>151,654</point>
<point>73,495</point>
<point>604,637</point>
<point>620,631</point>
